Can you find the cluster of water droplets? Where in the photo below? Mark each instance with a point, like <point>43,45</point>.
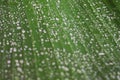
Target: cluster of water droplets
<point>58,40</point>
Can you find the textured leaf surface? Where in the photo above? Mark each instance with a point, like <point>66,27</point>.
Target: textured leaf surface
<point>59,40</point>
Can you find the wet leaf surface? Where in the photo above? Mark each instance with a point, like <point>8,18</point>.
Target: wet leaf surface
<point>59,40</point>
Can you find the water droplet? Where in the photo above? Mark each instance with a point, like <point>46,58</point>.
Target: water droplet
<point>101,54</point>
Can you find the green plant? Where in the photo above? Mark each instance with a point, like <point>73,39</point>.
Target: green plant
<point>59,40</point>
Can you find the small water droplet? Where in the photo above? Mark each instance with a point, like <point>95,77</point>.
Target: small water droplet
<point>101,54</point>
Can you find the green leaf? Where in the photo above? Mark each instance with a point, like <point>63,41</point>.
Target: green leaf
<point>59,40</point>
